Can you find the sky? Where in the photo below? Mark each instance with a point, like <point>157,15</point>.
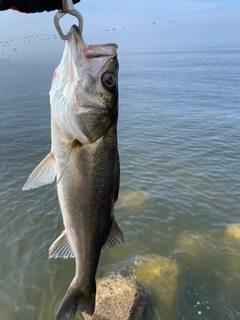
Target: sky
<point>134,25</point>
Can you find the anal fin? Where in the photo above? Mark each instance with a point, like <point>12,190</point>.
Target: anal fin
<point>61,248</point>
<point>43,174</point>
<point>115,236</point>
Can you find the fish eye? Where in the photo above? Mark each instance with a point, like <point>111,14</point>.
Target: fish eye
<point>109,80</point>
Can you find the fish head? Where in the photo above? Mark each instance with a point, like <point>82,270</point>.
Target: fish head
<point>84,92</point>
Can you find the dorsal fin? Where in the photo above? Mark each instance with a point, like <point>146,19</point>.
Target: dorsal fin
<point>115,236</point>
<point>43,174</point>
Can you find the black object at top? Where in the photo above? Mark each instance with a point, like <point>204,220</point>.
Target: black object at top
<point>32,6</point>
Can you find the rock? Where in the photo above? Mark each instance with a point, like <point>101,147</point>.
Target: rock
<point>132,198</point>
<point>159,275</point>
<point>118,298</point>
<point>231,264</point>
<point>233,231</point>
<point>192,248</point>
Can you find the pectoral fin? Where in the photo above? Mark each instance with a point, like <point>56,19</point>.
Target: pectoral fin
<point>43,174</point>
<point>115,236</point>
<point>61,248</point>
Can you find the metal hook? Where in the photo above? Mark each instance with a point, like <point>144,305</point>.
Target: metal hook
<point>67,8</point>
<point>67,5</point>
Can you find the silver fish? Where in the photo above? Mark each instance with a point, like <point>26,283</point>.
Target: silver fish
<point>84,159</point>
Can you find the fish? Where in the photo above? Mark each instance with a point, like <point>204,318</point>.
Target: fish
<point>84,160</point>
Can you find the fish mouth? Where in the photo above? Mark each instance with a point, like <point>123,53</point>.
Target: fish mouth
<point>91,57</point>
<point>92,51</point>
<point>77,36</point>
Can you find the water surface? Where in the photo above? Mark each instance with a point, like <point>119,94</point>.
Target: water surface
<point>179,143</point>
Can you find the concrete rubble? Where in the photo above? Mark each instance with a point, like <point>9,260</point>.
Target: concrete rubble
<point>118,298</point>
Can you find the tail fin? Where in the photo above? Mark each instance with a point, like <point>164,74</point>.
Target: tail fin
<point>75,300</point>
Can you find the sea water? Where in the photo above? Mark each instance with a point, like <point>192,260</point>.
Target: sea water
<point>179,144</point>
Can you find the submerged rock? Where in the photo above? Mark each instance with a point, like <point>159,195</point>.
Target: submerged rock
<point>231,251</point>
<point>233,231</point>
<point>192,248</point>
<point>118,298</point>
<point>159,275</point>
<point>132,198</point>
